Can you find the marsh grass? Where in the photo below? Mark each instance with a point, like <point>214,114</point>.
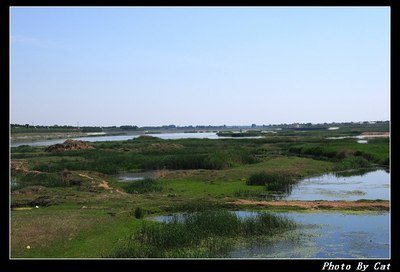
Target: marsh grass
<point>252,194</point>
<point>352,163</point>
<point>38,179</point>
<point>140,153</point>
<point>274,182</point>
<point>210,233</point>
<point>264,178</point>
<point>147,185</point>
<point>375,152</point>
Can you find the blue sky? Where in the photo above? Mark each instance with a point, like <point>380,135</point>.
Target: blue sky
<point>198,66</point>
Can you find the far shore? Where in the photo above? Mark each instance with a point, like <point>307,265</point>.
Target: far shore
<point>40,136</point>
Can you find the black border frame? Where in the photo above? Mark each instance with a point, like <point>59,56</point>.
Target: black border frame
<point>191,264</point>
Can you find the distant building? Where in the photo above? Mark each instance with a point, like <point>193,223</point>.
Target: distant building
<point>295,125</point>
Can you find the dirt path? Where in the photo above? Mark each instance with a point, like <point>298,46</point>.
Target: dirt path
<point>320,205</point>
<point>375,134</point>
<point>104,184</point>
<point>86,176</point>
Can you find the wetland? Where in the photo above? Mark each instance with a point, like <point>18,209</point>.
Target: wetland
<point>289,194</point>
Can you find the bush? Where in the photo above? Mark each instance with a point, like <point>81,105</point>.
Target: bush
<point>139,213</point>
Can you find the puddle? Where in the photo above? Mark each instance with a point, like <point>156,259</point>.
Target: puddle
<point>131,177</point>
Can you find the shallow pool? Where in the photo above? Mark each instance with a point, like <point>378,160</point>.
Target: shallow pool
<point>327,235</point>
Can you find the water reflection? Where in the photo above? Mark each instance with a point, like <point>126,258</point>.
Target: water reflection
<point>351,173</point>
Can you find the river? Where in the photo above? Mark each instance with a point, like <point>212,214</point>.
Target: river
<point>165,136</point>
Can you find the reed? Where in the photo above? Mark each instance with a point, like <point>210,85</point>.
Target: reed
<point>200,234</point>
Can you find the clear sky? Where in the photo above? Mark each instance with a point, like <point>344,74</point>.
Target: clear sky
<point>198,66</point>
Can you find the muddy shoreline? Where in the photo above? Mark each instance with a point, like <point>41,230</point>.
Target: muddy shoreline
<point>372,205</point>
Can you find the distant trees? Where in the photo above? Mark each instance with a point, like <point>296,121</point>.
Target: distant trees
<point>127,127</point>
<point>91,129</point>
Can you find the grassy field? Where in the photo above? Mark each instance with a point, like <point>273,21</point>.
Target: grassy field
<point>83,211</point>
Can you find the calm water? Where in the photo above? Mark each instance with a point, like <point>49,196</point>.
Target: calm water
<point>328,235</point>
<point>371,185</point>
<point>165,136</point>
<point>358,137</point>
<point>322,235</point>
<point>131,177</point>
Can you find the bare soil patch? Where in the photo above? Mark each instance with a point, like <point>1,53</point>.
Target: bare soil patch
<point>320,205</point>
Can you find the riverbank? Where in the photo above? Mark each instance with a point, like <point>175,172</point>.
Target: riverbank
<point>370,205</point>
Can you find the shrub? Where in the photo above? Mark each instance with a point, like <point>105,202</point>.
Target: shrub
<point>139,213</point>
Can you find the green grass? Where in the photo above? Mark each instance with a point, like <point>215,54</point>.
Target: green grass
<point>67,232</point>
<point>229,183</point>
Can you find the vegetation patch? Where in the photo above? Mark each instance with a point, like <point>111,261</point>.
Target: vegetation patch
<point>39,179</point>
<point>352,163</point>
<point>146,185</point>
<point>201,234</point>
<point>276,182</point>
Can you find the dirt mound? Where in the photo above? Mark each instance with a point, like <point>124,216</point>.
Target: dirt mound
<point>68,145</point>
